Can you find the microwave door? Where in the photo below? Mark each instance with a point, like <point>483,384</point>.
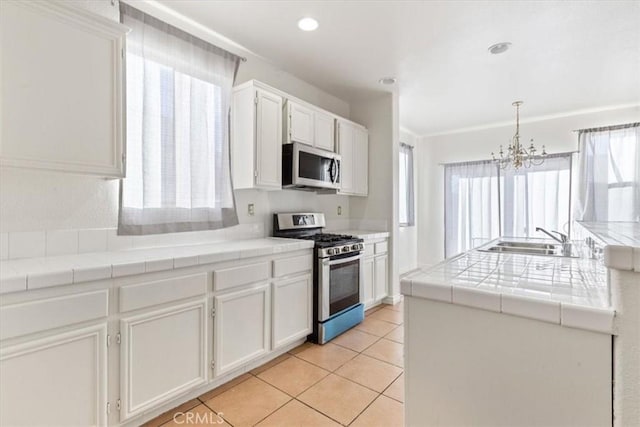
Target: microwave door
<point>314,168</point>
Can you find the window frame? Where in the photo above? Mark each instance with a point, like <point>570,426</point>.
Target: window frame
<point>410,188</point>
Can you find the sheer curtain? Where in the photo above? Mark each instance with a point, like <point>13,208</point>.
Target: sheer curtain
<point>538,196</point>
<point>609,174</point>
<point>472,213</point>
<point>178,97</point>
<point>406,194</point>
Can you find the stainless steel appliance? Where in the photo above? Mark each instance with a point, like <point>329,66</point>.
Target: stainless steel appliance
<point>306,167</point>
<point>338,273</point>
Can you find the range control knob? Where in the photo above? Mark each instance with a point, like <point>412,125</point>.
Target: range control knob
<point>329,251</point>
<point>355,247</point>
<point>346,248</point>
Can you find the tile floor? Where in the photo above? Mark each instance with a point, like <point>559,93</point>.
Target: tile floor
<point>355,380</point>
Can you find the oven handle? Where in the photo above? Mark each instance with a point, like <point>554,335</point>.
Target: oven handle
<point>341,260</point>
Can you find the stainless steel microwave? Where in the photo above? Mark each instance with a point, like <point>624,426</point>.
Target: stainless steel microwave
<point>307,167</point>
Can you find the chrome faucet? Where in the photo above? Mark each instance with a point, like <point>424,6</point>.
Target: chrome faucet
<point>562,239</point>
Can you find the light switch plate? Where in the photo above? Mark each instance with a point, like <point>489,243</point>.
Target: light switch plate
<point>339,210</point>
<point>251,209</point>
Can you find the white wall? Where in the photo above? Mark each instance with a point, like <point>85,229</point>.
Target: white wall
<point>380,209</point>
<point>33,200</point>
<point>408,236</point>
<point>555,133</point>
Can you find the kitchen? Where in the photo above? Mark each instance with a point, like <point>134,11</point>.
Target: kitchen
<point>140,312</point>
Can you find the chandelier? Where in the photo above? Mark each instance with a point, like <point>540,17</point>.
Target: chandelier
<point>517,155</point>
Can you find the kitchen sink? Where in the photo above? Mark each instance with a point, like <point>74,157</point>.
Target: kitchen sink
<point>531,248</point>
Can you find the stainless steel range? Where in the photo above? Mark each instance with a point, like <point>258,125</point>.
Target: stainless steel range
<point>337,273</point>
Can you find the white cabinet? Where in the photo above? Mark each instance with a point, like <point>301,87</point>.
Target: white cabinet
<point>380,276</point>
<point>242,327</point>
<point>353,146</point>
<point>61,85</point>
<point>57,380</point>
<point>292,309</point>
<point>368,281</point>
<point>163,354</point>
<point>256,138</point>
<point>299,123</point>
<point>324,131</point>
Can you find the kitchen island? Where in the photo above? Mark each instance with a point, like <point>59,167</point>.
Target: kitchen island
<point>503,338</point>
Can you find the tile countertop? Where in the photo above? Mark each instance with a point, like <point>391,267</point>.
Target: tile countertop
<point>571,292</point>
<point>621,240</point>
<point>34,273</point>
<point>364,234</point>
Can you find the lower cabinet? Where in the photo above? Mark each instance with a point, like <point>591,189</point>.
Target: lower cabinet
<point>368,281</point>
<point>380,276</point>
<point>163,354</point>
<point>292,309</point>
<point>57,380</point>
<point>242,327</point>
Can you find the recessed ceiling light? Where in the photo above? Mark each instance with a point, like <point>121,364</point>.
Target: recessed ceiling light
<point>387,80</point>
<point>308,24</point>
<point>499,48</point>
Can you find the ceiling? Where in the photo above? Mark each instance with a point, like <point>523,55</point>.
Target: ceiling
<point>566,56</point>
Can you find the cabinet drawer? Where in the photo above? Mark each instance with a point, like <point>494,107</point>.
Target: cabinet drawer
<point>238,276</point>
<point>369,249</point>
<point>293,265</point>
<point>381,248</point>
<point>133,297</point>
<point>36,316</point>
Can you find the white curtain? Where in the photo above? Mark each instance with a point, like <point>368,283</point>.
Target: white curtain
<point>472,213</point>
<point>609,174</point>
<point>406,210</point>
<point>178,97</point>
<point>538,196</point>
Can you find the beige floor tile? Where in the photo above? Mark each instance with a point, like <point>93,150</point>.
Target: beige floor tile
<point>396,335</point>
<point>372,310</point>
<point>270,364</point>
<point>199,416</point>
<point>387,351</point>
<point>384,412</point>
<point>355,340</point>
<point>328,356</point>
<point>224,387</point>
<point>301,348</point>
<point>293,376</point>
<point>248,402</point>
<point>369,372</point>
<point>396,389</point>
<point>375,327</point>
<point>168,416</point>
<point>389,315</point>
<point>338,398</point>
<point>397,307</point>
<point>296,414</point>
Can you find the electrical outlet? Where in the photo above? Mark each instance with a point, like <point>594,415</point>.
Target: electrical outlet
<point>339,210</point>
<point>251,209</point>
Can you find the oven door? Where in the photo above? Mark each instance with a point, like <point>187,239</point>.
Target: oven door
<point>339,284</point>
<point>313,167</point>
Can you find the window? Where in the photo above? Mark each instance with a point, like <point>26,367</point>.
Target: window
<point>406,192</point>
<point>178,97</point>
<point>483,202</point>
<point>609,169</point>
<point>471,205</point>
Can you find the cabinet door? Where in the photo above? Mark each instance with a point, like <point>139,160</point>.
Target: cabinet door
<point>58,380</point>
<point>361,162</point>
<point>300,121</point>
<point>324,131</point>
<point>345,149</point>
<point>368,281</point>
<point>268,140</point>
<point>163,355</point>
<point>61,85</point>
<point>381,267</point>
<point>292,309</point>
<point>242,327</point>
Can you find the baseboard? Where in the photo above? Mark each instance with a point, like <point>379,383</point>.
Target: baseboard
<point>392,299</point>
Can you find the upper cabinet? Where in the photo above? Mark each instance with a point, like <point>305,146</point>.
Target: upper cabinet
<point>308,125</point>
<point>353,145</point>
<point>62,89</point>
<point>256,138</point>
